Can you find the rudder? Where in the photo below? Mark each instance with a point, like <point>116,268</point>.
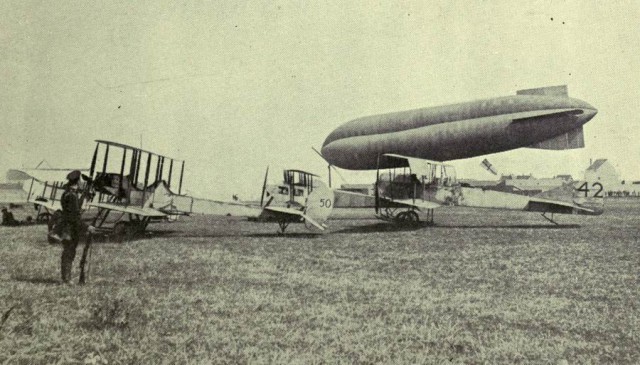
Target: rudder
<point>319,204</point>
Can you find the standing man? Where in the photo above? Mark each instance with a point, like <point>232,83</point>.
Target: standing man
<point>71,224</point>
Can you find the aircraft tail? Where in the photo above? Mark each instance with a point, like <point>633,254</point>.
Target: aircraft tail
<point>586,197</point>
<point>589,195</point>
<point>570,140</point>
<point>319,203</point>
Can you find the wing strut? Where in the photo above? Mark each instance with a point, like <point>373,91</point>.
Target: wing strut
<point>93,161</point>
<point>376,193</point>
<point>264,186</point>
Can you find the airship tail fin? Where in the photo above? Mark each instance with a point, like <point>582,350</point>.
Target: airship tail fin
<point>560,90</point>
<point>570,140</point>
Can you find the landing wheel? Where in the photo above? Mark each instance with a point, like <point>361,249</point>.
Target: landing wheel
<point>126,231</point>
<point>43,217</point>
<point>412,217</point>
<point>401,217</point>
<point>407,218</point>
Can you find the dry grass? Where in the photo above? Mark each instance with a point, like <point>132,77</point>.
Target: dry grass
<point>482,287</point>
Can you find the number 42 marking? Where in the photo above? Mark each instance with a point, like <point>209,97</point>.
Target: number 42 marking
<point>585,188</point>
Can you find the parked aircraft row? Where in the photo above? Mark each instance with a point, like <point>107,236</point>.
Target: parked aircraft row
<point>127,187</point>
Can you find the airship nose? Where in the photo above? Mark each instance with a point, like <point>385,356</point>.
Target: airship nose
<point>588,110</point>
<point>588,114</point>
<point>591,112</point>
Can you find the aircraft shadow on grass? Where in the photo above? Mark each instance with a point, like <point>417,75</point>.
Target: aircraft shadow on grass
<point>386,227</point>
<point>286,235</point>
<point>178,234</point>
<point>372,228</point>
<point>515,226</point>
<point>36,280</point>
<point>181,234</point>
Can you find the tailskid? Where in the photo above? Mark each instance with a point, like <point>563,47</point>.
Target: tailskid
<point>550,219</point>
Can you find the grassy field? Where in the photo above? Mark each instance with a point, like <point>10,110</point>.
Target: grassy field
<point>480,287</point>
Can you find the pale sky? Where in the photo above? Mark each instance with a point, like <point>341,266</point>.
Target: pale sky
<point>232,87</point>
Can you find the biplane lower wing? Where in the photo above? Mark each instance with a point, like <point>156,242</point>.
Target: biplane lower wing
<point>51,205</point>
<point>418,204</point>
<point>142,212</point>
<point>289,214</point>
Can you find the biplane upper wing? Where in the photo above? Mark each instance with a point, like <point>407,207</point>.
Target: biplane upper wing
<point>418,166</point>
<point>45,186</point>
<point>49,175</point>
<point>291,214</point>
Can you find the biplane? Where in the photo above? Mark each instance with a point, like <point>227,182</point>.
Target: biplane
<point>127,188</point>
<point>425,185</point>
<point>44,188</point>
<point>122,192</point>
<point>301,197</point>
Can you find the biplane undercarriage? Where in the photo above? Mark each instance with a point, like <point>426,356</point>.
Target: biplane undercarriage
<point>407,217</point>
<point>283,224</point>
<point>125,227</point>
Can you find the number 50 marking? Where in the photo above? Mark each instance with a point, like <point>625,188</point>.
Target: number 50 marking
<point>325,203</point>
<point>585,188</point>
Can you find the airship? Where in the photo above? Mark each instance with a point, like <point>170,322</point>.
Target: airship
<point>542,118</point>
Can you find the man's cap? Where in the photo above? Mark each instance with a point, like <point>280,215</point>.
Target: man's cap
<point>74,175</point>
<point>4,209</point>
